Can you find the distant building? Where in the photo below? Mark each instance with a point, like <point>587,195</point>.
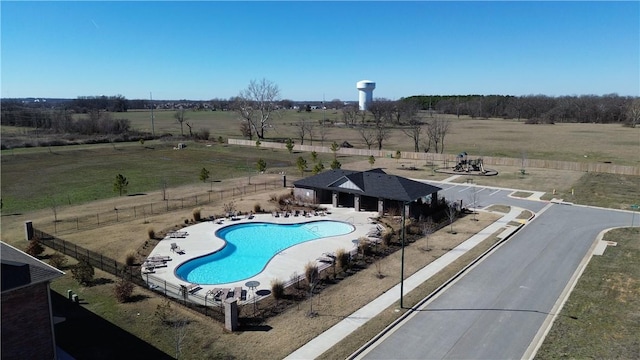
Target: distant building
<point>27,319</point>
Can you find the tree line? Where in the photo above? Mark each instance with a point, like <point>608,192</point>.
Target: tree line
<point>610,108</point>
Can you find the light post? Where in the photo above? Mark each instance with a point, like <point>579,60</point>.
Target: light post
<point>402,257</point>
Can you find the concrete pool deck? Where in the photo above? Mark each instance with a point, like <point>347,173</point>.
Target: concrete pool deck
<point>200,240</point>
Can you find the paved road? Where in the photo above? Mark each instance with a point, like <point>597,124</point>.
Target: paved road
<point>496,309</point>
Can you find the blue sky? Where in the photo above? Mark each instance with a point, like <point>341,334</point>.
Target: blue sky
<point>203,50</point>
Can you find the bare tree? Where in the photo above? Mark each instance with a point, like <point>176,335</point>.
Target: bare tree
<point>264,96</point>
<point>382,133</point>
<point>367,134</point>
<point>473,202</point>
<point>303,128</point>
<point>403,110</point>
<point>245,109</point>
<point>437,129</point>
<point>350,114</point>
<point>180,118</point>
<point>414,130</point>
<point>428,227</point>
<point>451,212</point>
<point>633,113</point>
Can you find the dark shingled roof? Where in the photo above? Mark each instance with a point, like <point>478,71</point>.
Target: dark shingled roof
<point>374,183</point>
<point>20,269</point>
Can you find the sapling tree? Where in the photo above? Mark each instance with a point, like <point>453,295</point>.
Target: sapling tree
<point>289,145</point>
<point>372,160</point>
<point>120,184</point>
<point>204,175</point>
<point>261,165</point>
<point>301,163</point>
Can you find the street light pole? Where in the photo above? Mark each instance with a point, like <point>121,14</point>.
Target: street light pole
<point>402,257</point>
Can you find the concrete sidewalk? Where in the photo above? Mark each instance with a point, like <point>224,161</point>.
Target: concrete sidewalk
<point>332,336</point>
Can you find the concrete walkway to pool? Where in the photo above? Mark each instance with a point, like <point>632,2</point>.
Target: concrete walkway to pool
<point>335,334</point>
<point>199,240</point>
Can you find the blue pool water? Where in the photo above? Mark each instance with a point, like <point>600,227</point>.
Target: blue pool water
<point>251,246</point>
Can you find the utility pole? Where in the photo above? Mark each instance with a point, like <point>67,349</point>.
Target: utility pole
<point>324,107</point>
<point>153,131</point>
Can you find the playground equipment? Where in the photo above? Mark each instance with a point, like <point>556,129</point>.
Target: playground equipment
<point>468,165</point>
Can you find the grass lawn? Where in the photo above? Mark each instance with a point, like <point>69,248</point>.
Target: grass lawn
<point>601,319</point>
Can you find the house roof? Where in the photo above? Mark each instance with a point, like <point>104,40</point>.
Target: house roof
<point>374,183</point>
<point>21,269</point>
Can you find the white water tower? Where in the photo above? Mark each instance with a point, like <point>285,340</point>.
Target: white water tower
<point>366,93</point>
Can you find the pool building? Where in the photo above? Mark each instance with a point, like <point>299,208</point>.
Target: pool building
<point>372,190</point>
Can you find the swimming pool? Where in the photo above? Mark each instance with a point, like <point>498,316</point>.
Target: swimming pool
<point>249,248</point>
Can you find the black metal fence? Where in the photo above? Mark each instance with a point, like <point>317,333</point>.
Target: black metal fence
<point>61,224</point>
<point>201,303</point>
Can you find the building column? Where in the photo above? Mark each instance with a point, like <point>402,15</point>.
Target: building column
<point>381,207</point>
<point>434,200</point>
<point>356,202</point>
<point>334,199</point>
<point>407,210</point>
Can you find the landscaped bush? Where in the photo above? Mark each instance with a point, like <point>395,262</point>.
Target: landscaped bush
<point>130,259</point>
<point>342,259</point>
<point>151,233</point>
<point>257,208</point>
<point>277,289</point>
<point>83,272</point>
<point>57,260</point>
<point>34,248</point>
<point>196,215</point>
<point>123,290</point>
<point>311,272</point>
<point>387,235</point>
<point>364,247</point>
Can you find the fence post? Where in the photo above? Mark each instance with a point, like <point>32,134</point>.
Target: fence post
<point>220,194</point>
<point>98,217</point>
<point>196,197</point>
<point>134,212</point>
<point>151,208</point>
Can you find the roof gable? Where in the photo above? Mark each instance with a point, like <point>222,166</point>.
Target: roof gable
<point>21,269</point>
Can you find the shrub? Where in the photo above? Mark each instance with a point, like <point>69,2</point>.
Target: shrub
<point>311,273</point>
<point>83,272</point>
<point>196,215</point>
<point>386,237</point>
<point>34,248</point>
<point>57,260</point>
<point>203,134</point>
<point>277,289</point>
<point>123,290</point>
<point>257,208</point>
<point>130,259</point>
<point>342,259</point>
<point>151,233</point>
<point>273,197</point>
<point>364,247</point>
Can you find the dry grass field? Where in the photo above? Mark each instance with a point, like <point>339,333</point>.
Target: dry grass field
<point>478,137</point>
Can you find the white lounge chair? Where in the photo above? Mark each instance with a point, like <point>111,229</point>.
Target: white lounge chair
<point>176,249</point>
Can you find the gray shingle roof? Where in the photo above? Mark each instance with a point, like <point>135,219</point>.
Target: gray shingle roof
<point>13,267</point>
<point>374,183</point>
